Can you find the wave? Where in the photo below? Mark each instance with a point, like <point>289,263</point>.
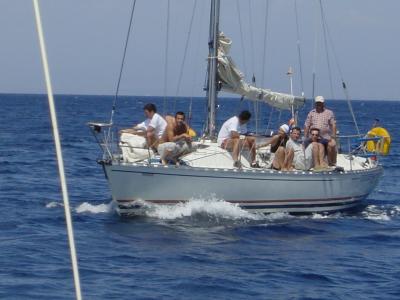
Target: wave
<point>54,204</point>
<point>86,207</point>
<point>381,213</point>
<point>218,208</point>
<point>211,207</point>
<point>370,212</point>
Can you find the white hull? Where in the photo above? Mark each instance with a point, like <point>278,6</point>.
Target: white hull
<point>254,190</point>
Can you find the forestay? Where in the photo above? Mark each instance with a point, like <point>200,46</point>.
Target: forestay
<point>233,81</point>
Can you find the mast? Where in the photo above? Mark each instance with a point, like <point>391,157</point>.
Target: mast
<point>212,68</point>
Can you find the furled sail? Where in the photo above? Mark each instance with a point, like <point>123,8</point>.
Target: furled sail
<point>232,81</point>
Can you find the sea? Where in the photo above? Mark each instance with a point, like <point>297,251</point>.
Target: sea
<point>205,249</point>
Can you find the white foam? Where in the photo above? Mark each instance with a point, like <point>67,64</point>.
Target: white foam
<point>373,212</point>
<point>86,207</point>
<point>211,207</point>
<point>53,204</point>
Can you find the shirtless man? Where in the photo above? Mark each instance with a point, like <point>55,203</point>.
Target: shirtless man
<point>176,140</point>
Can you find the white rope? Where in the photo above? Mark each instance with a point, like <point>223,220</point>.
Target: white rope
<point>58,151</point>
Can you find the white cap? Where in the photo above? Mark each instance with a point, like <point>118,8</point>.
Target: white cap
<point>285,128</point>
<point>319,99</point>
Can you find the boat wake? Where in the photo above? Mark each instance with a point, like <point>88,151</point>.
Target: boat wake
<point>370,212</point>
<point>211,207</point>
<point>219,209</point>
<point>381,213</point>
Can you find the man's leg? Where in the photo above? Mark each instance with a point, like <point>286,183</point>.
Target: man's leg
<point>319,155</point>
<point>332,152</point>
<point>250,142</point>
<point>288,161</point>
<point>234,143</point>
<point>279,158</point>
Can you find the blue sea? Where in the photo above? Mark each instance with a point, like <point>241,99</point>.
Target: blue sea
<point>205,249</point>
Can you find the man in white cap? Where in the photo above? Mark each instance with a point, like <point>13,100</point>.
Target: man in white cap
<point>324,120</point>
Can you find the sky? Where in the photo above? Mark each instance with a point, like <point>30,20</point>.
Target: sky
<point>85,41</point>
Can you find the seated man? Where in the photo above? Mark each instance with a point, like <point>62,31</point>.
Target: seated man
<point>229,138</point>
<point>301,157</point>
<point>152,128</point>
<point>319,156</point>
<point>177,140</point>
<point>278,143</point>
<point>323,119</point>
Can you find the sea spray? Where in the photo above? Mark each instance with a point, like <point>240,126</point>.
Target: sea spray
<point>86,207</point>
<point>196,206</point>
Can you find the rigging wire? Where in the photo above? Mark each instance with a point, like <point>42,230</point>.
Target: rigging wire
<point>326,48</point>
<point>122,66</point>
<point>197,50</point>
<point>243,49</point>
<point>252,54</point>
<point>241,37</point>
<point>298,47</point>
<point>57,142</point>
<point>344,86</point>
<point>185,52</point>
<point>253,79</point>
<point>264,56</point>
<point>315,55</point>
<point>166,59</point>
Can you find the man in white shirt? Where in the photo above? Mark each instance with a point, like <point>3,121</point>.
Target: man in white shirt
<point>229,138</point>
<point>152,128</point>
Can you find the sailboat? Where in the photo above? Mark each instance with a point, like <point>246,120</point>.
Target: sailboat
<point>137,178</point>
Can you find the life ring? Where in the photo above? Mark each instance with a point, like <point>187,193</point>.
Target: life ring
<point>383,145</point>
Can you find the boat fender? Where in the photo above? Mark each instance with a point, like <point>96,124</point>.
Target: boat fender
<point>383,145</point>
<point>191,132</point>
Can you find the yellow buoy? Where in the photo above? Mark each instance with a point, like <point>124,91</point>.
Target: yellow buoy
<point>381,146</point>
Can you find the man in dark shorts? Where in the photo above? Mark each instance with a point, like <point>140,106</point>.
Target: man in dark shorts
<point>324,120</point>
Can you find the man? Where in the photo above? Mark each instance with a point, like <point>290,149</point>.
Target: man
<point>324,120</point>
<point>152,128</point>
<point>278,144</point>
<point>229,138</point>
<point>176,139</point>
<point>303,157</point>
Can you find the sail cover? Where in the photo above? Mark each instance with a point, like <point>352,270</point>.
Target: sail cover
<point>232,81</point>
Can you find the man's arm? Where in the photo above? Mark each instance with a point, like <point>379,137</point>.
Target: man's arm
<point>273,140</point>
<point>332,122</point>
<point>334,130</point>
<point>150,135</point>
<point>235,134</point>
<point>307,125</point>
